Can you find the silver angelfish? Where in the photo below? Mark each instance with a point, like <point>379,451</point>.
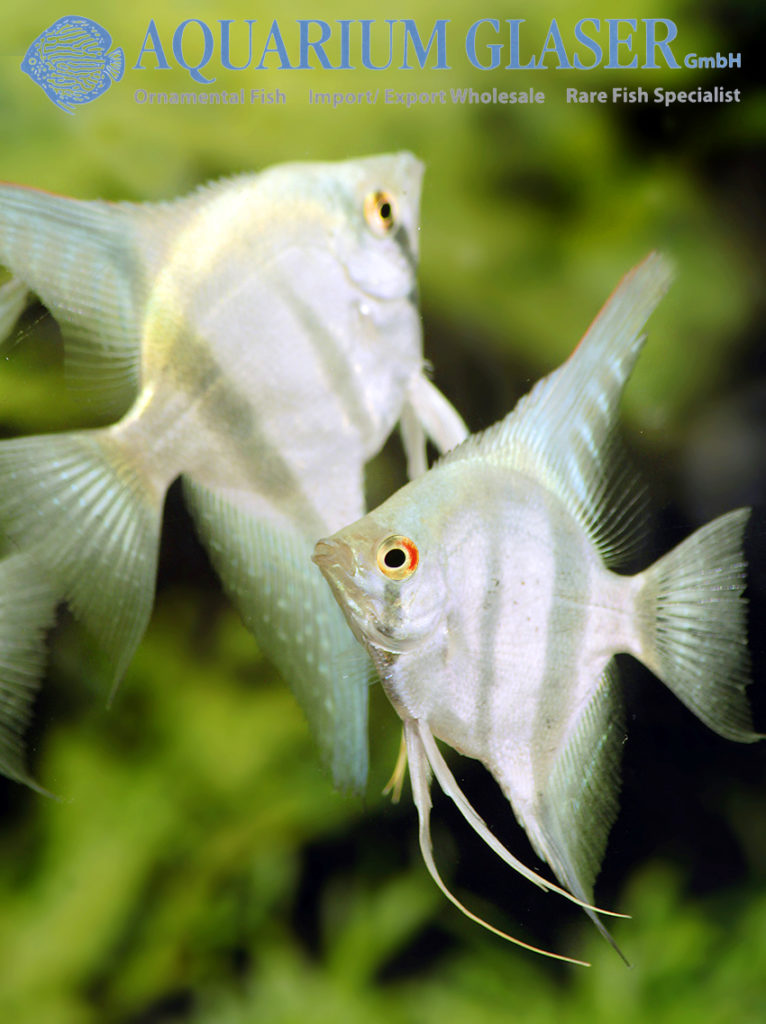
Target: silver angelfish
<point>483,594</point>
<point>266,330</point>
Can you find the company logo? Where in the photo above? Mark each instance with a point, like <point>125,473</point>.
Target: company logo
<point>71,62</point>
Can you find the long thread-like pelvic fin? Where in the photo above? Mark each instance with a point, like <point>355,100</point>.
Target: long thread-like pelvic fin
<point>419,775</point>
<point>449,785</point>
<point>427,414</point>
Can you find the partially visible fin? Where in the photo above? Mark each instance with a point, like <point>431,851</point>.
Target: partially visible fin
<point>420,776</point>
<point>90,520</point>
<point>14,295</point>
<point>693,625</point>
<point>428,414</point>
<point>450,788</point>
<point>578,802</point>
<point>115,64</point>
<point>284,602</point>
<point>27,611</point>
<point>561,432</point>
<point>83,260</point>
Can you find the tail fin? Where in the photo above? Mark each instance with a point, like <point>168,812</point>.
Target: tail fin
<point>91,521</point>
<point>27,608</point>
<point>694,629</point>
<point>115,64</point>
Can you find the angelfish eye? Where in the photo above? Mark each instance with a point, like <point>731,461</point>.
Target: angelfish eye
<point>397,557</point>
<point>380,212</point>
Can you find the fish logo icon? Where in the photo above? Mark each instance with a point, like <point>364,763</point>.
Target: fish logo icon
<point>72,63</point>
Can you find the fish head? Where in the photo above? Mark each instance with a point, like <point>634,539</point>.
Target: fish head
<point>33,64</point>
<point>388,583</point>
<point>382,209</point>
<point>365,212</point>
<point>343,256</point>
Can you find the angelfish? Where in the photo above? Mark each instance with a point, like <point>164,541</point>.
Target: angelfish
<point>485,593</point>
<point>266,330</point>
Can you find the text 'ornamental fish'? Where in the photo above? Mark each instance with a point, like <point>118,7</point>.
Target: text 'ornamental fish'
<point>482,593</point>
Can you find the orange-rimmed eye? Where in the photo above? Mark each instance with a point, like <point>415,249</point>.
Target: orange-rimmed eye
<point>380,212</point>
<point>398,557</point>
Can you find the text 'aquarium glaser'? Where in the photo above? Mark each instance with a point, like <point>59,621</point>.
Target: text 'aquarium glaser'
<point>484,593</point>
<point>73,60</point>
<point>179,312</point>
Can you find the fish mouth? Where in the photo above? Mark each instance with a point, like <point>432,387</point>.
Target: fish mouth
<point>330,555</point>
<point>336,563</point>
<point>338,566</point>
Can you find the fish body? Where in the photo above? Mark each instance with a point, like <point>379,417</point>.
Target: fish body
<point>485,594</point>
<point>72,62</point>
<point>267,329</point>
<point>295,369</point>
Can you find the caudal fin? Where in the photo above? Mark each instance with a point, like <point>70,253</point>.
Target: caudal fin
<point>27,609</point>
<point>694,625</point>
<point>81,509</point>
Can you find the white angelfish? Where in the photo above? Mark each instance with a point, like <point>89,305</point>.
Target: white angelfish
<point>266,329</point>
<point>483,594</point>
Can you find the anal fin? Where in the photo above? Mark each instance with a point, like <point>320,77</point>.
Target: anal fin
<point>570,825</point>
<point>284,602</point>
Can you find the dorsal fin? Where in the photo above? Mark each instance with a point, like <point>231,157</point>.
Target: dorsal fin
<point>561,433</point>
<point>89,262</point>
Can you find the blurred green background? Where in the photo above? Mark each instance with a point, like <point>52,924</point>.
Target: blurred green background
<point>199,867</point>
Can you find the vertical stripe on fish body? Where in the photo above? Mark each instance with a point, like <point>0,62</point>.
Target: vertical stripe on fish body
<point>483,594</point>
<point>285,320</point>
<point>268,328</point>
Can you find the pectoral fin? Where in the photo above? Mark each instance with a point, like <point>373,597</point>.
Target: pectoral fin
<point>428,414</point>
